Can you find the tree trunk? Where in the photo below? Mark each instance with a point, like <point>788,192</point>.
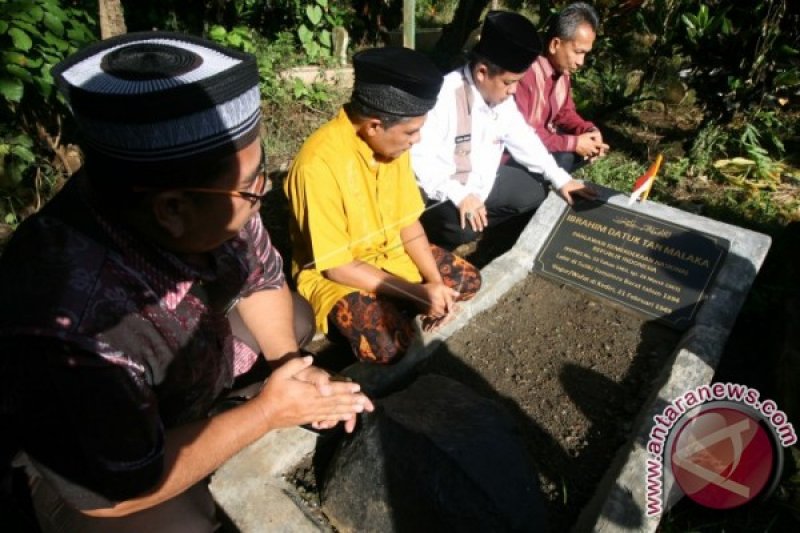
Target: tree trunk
<point>112,18</point>
<point>448,51</point>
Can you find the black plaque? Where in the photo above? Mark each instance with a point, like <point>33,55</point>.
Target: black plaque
<point>658,268</point>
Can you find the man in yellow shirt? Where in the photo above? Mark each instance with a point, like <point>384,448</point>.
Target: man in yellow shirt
<point>360,255</point>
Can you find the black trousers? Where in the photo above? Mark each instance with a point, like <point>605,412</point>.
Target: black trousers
<point>516,191</point>
<point>569,161</point>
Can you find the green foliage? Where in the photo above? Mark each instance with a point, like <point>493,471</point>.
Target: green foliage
<point>239,37</point>
<point>16,156</point>
<point>706,147</point>
<point>616,171</point>
<point>309,21</point>
<point>705,28</point>
<point>619,171</point>
<point>313,22</point>
<point>288,124</point>
<point>607,84</point>
<point>273,57</point>
<point>313,96</point>
<point>34,36</point>
<point>735,54</point>
<point>757,146</point>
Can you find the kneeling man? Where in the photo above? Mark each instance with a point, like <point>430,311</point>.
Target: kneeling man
<point>360,254</point>
<point>475,119</point>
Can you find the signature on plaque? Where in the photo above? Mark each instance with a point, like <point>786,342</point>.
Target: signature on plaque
<point>646,228</point>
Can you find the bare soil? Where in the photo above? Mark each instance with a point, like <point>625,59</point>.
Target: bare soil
<point>573,370</point>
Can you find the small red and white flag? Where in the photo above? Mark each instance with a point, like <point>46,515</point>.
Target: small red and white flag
<point>641,189</point>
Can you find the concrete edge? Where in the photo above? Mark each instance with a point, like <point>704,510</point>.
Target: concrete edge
<point>243,495</point>
<point>340,76</point>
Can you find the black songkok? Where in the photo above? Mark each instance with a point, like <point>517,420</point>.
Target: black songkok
<point>396,81</point>
<point>508,40</point>
<point>159,98</point>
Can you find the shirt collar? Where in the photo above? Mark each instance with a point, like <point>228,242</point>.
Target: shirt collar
<point>547,68</point>
<point>479,104</point>
<point>362,149</point>
<point>163,270</point>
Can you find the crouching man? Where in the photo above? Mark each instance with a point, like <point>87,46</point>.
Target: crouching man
<point>360,255</point>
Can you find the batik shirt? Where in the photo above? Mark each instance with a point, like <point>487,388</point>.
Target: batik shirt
<point>107,341</point>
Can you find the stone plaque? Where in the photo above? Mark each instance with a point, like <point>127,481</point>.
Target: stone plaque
<point>651,265</point>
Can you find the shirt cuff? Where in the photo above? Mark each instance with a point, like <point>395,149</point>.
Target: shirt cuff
<point>559,178</point>
<point>572,142</point>
<point>456,192</point>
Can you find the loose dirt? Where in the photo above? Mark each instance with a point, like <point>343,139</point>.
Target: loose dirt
<point>573,370</point>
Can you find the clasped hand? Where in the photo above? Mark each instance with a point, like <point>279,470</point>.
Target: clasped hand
<point>297,393</point>
<point>591,146</point>
<point>437,304</point>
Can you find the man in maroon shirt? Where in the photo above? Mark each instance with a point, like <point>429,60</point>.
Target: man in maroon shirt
<point>544,95</point>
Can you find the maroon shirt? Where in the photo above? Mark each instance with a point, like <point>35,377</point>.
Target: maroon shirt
<point>544,97</point>
<point>106,340</point>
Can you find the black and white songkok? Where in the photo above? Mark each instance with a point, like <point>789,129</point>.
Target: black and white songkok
<point>395,81</point>
<point>154,99</point>
<point>509,40</point>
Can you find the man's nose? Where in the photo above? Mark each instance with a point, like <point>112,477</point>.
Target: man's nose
<point>512,89</point>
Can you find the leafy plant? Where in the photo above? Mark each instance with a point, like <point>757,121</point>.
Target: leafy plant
<point>602,89</point>
<point>314,21</point>
<point>35,35</point>
<point>706,147</point>
<point>313,95</point>
<point>313,35</point>
<point>240,37</point>
<point>16,155</point>
<point>703,34</point>
<point>703,26</point>
<point>756,141</point>
<point>616,171</point>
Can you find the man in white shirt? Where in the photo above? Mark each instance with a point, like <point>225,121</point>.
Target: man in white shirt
<point>457,161</point>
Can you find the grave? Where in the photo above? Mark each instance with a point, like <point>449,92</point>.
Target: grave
<point>705,316</point>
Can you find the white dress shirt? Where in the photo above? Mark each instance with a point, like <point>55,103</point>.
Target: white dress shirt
<point>494,129</point>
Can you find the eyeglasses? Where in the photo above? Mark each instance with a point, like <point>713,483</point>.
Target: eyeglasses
<point>261,185</point>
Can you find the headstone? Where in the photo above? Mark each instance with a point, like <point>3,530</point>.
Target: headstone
<point>434,457</point>
<point>651,265</point>
<point>340,41</point>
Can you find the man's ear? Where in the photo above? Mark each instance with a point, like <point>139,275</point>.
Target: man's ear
<point>169,210</point>
<point>370,127</point>
<point>552,46</point>
<point>481,73</point>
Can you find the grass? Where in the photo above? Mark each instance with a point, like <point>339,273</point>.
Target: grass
<point>683,182</point>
